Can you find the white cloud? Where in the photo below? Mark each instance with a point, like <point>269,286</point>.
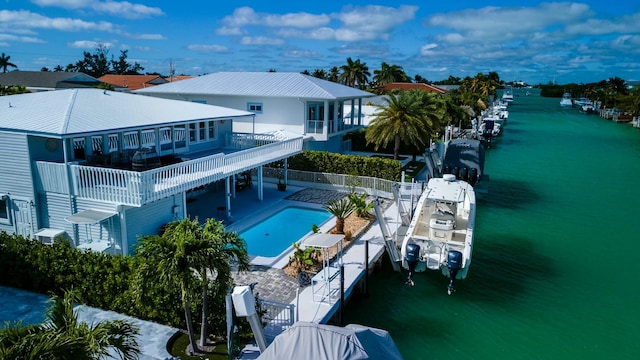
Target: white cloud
<point>123,9</point>
<point>508,23</point>
<point>307,54</point>
<point>427,49</point>
<point>148,36</point>
<point>260,40</point>
<point>24,39</point>
<point>374,19</point>
<point>89,44</point>
<point>244,16</point>
<point>230,30</point>
<point>27,19</point>
<point>207,48</point>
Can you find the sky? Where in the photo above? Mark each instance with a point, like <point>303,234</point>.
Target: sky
<point>531,41</point>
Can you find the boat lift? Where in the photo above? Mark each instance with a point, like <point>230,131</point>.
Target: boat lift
<point>405,196</point>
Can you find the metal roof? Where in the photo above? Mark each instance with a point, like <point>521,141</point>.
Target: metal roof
<point>261,84</point>
<point>81,111</point>
<point>47,79</point>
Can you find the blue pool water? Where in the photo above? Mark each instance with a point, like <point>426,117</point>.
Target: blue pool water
<point>19,305</point>
<point>273,235</point>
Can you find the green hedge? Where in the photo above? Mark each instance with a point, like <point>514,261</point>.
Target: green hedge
<point>328,162</point>
<point>103,281</point>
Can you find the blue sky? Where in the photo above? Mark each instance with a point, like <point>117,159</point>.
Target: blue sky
<point>532,41</point>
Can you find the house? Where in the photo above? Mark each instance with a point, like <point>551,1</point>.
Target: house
<point>36,81</point>
<point>281,101</point>
<point>132,82</point>
<point>102,167</point>
<point>412,86</point>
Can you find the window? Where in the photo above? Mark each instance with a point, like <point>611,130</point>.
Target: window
<point>4,210</point>
<point>254,107</point>
<point>212,130</point>
<point>202,131</point>
<point>78,149</point>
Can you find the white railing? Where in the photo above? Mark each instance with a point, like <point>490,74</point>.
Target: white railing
<point>138,188</point>
<point>370,185</point>
<point>278,316</point>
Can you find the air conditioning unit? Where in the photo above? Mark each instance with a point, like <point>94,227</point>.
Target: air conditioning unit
<point>47,235</point>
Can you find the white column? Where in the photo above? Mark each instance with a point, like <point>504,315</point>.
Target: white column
<point>325,119</point>
<point>227,191</point>
<point>360,111</point>
<point>260,184</point>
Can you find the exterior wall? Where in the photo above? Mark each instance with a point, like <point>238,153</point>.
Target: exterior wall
<point>17,184</point>
<point>148,219</point>
<point>277,114</point>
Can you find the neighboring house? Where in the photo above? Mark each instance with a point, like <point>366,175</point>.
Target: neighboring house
<point>132,82</point>
<point>413,86</point>
<point>282,101</point>
<point>36,81</point>
<point>102,167</point>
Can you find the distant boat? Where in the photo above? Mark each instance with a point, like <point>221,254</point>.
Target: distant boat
<point>507,95</point>
<point>566,100</point>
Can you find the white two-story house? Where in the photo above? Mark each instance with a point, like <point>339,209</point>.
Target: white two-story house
<point>281,101</point>
<point>101,168</point>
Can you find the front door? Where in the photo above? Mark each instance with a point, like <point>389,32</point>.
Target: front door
<point>24,218</point>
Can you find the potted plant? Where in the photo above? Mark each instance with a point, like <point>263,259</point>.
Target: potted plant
<point>303,261</point>
<point>281,185</point>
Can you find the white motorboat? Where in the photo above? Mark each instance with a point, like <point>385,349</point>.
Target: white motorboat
<point>566,100</point>
<point>507,95</point>
<point>440,235</point>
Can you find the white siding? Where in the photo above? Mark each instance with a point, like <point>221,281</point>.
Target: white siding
<point>16,176</point>
<point>14,158</point>
<point>148,219</point>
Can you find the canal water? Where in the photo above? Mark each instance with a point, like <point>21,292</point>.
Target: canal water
<point>556,261</point>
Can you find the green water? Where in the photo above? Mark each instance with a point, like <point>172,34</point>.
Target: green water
<point>556,262</point>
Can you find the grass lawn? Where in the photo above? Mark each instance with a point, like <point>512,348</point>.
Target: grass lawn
<point>179,347</point>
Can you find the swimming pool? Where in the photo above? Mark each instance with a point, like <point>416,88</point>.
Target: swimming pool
<point>271,236</point>
<point>19,305</point>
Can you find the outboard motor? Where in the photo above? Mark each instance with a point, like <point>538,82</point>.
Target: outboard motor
<point>446,170</point>
<point>412,256</point>
<point>454,264</point>
<point>464,174</point>
<point>473,176</point>
<point>455,171</point>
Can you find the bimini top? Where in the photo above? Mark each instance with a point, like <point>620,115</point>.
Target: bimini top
<point>445,190</point>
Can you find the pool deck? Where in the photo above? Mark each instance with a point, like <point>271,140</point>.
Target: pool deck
<point>317,303</point>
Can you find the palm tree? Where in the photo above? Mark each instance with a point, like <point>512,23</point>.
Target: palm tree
<point>225,247</point>
<point>63,337</point>
<point>408,117</point>
<point>186,254</point>
<point>170,258</point>
<point>354,73</point>
<point>4,63</point>
<point>340,209</point>
<point>389,74</point>
<point>334,74</point>
<point>319,73</point>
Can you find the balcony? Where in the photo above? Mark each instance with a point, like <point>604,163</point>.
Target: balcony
<point>137,188</point>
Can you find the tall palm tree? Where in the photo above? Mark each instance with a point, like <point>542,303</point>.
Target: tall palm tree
<point>407,117</point>
<point>224,248</point>
<point>170,259</point>
<point>187,254</point>
<point>389,74</point>
<point>4,63</point>
<point>354,73</point>
<point>63,337</point>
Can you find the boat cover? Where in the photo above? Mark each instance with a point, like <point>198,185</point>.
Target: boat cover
<point>311,341</point>
<point>465,153</point>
